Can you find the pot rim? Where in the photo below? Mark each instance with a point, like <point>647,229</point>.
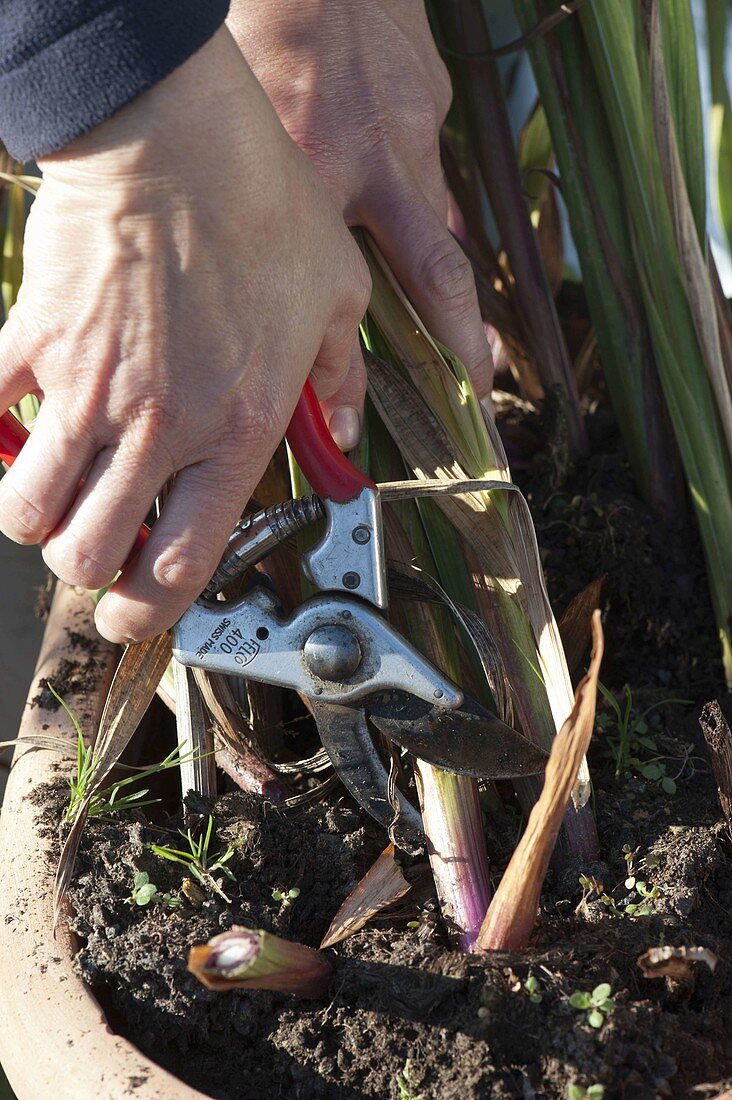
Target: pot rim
<point>55,1039</point>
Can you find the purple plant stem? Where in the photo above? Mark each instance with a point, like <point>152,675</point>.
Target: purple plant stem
<point>453,823</point>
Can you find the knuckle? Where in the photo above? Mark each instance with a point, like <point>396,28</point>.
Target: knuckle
<point>443,90</point>
<point>355,292</point>
<point>252,421</point>
<point>423,124</point>
<point>361,289</point>
<point>152,422</point>
<point>22,520</point>
<point>183,568</point>
<point>75,565</point>
<point>447,276</point>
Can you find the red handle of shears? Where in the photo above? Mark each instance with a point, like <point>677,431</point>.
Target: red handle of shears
<point>324,465</point>
<point>326,468</point>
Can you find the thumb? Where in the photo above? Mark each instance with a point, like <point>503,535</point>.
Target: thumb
<point>343,410</point>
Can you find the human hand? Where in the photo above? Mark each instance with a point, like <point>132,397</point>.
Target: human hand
<point>184,271</point>
<point>360,87</point>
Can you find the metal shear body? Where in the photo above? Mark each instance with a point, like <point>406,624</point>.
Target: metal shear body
<point>336,648</point>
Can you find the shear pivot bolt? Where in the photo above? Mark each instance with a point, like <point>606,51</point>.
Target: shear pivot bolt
<point>351,580</point>
<point>361,534</point>
<point>332,652</point>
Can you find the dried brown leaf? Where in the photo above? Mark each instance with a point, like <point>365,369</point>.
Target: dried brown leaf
<point>718,737</point>
<point>195,736</point>
<point>551,238</point>
<point>675,962</point>
<point>382,884</point>
<point>234,752</point>
<point>575,625</point>
<point>511,915</point>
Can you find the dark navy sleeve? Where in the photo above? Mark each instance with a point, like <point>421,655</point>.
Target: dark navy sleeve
<point>66,65</point>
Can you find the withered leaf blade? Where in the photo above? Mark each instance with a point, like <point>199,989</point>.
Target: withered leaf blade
<point>718,737</point>
<point>40,741</point>
<point>510,917</point>
<point>575,625</point>
<point>133,688</point>
<point>382,884</point>
<point>235,753</point>
<point>675,962</point>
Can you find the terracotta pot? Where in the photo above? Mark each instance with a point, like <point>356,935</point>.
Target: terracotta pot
<point>54,1038</point>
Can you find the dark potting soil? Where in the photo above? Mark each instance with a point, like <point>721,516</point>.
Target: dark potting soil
<point>466,1026</point>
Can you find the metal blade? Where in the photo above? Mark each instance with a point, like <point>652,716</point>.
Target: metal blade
<point>468,739</point>
<point>346,738</point>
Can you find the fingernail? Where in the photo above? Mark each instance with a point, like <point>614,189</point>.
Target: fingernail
<point>345,427</point>
<point>108,631</point>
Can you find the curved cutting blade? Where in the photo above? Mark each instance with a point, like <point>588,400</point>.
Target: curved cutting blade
<point>346,738</point>
<point>468,739</point>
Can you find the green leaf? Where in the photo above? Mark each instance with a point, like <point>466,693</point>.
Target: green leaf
<point>668,784</point>
<point>629,883</point>
<point>596,1092</point>
<point>146,893</point>
<point>600,993</point>
<point>651,771</point>
<point>141,879</point>
<point>595,1018</point>
<point>576,1092</point>
<point>580,1000</point>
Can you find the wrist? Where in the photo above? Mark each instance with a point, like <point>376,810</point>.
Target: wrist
<point>188,112</point>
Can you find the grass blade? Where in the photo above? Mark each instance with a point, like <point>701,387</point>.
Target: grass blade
<point>133,687</point>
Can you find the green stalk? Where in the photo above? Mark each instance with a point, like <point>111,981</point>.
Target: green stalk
<point>481,105</point>
<point>450,804</point>
<point>619,53</point>
<point>718,19</point>
<point>593,194</point>
<point>496,531</point>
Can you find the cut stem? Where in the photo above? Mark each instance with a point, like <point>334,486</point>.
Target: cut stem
<point>453,825</point>
<point>246,958</point>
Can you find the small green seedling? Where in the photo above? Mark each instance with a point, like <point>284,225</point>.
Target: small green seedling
<point>145,893</point>
<point>632,743</point>
<point>200,863</point>
<point>579,1092</point>
<point>638,902</point>
<point>110,798</point>
<point>286,896</point>
<point>639,889</point>
<point>405,1084</point>
<point>533,988</point>
<point>596,1004</point>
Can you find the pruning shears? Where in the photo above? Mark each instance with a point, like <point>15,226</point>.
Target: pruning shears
<point>336,648</point>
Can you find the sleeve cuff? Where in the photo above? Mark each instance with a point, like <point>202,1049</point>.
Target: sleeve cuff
<point>79,80</point>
